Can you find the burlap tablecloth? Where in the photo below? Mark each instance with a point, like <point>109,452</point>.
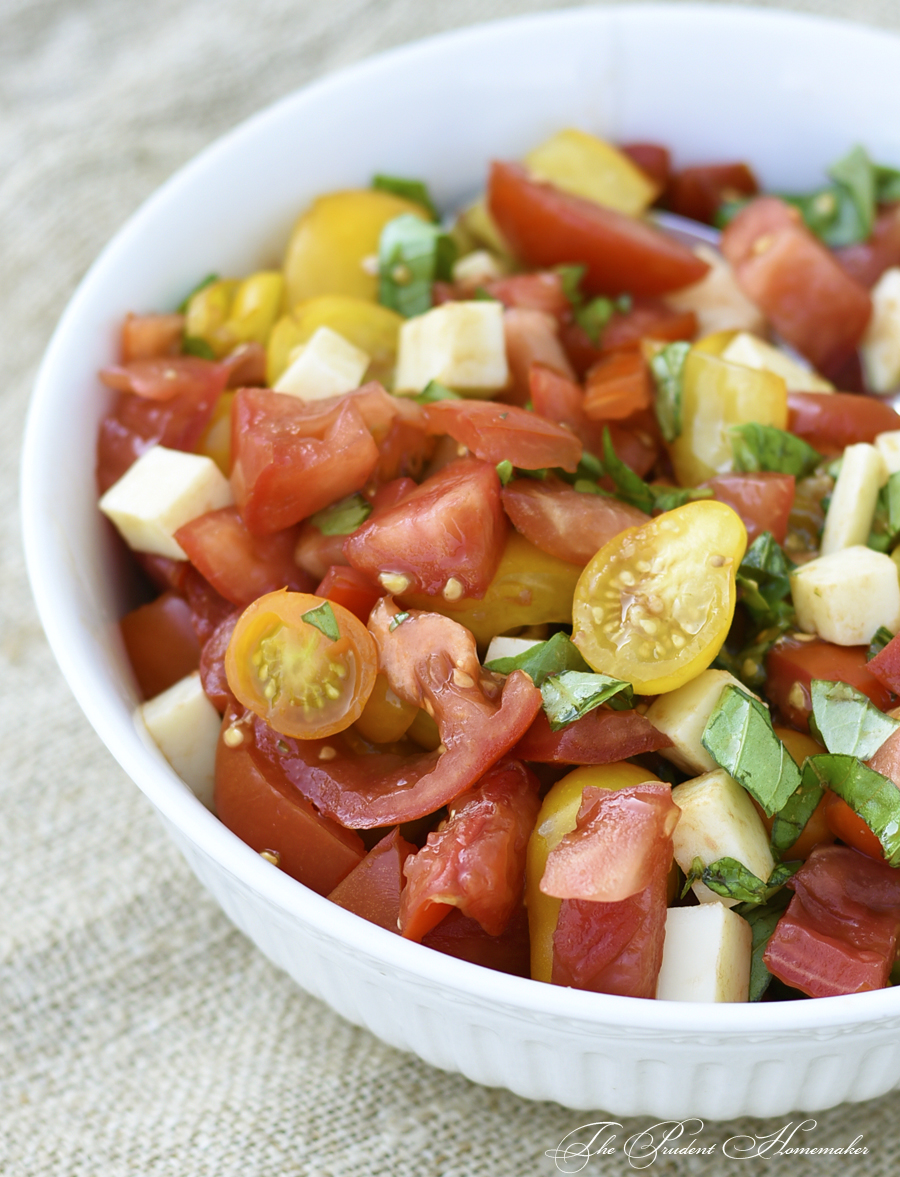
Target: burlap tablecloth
<point>139,1032</point>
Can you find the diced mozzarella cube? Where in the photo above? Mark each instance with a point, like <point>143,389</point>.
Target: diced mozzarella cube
<point>507,648</point>
<point>475,268</point>
<point>460,344</point>
<point>328,365</point>
<point>880,346</point>
<point>682,715</point>
<point>888,445</point>
<point>706,955</point>
<point>719,820</point>
<point>162,491</point>
<point>847,596</point>
<point>717,300</point>
<point>185,727</point>
<point>852,507</point>
<point>753,352</point>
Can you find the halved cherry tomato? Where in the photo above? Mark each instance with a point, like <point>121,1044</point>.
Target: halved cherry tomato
<point>794,661</point>
<point>829,421</point>
<point>161,644</point>
<point>655,604</point>
<point>763,501</point>
<point>498,433</point>
<point>285,665</point>
<point>546,227</point>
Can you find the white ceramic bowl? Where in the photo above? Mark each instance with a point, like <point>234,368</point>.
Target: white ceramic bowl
<point>788,93</point>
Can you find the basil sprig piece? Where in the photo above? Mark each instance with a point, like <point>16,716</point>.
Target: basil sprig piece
<point>667,369</point>
<point>593,314</point>
<point>201,285</point>
<point>630,488</point>
<point>342,517</point>
<point>572,694</point>
<point>759,448</point>
<point>732,880</point>
<point>886,523</point>
<point>762,920</point>
<point>194,345</point>
<point>791,819</point>
<point>764,580</point>
<point>414,190</point>
<point>874,797</point>
<point>881,638</point>
<point>434,391</point>
<point>740,738</point>
<point>323,619</point>
<point>543,660</point>
<point>412,255</point>
<point>848,722</point>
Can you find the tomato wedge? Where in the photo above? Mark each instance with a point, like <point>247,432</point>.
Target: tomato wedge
<point>160,642</point>
<point>498,433</point>
<point>830,421</point>
<point>600,737</point>
<point>546,227</point>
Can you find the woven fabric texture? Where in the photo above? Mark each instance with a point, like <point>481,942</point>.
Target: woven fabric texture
<point>140,1034</point>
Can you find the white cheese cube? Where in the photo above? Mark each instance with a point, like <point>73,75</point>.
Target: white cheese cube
<point>507,648</point>
<point>328,365</point>
<point>706,955</point>
<point>888,445</point>
<point>852,507</point>
<point>185,727</point>
<point>682,715</point>
<point>717,300</point>
<point>460,344</point>
<point>753,352</point>
<point>476,268</point>
<point>163,490</point>
<point>880,346</point>
<point>847,596</point>
<point>719,820</point>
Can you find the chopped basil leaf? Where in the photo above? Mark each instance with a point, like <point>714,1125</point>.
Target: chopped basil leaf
<point>342,517</point>
<point>323,619</point>
<point>434,391</point>
<point>886,524</point>
<point>732,880</point>
<point>482,295</point>
<point>414,190</point>
<point>505,471</point>
<point>632,489</point>
<point>396,620</point>
<point>848,722</point>
<point>194,345</point>
<point>570,278</point>
<point>412,255</point>
<point>794,814</point>
<point>204,282</point>
<point>762,920</point>
<point>538,475</point>
<point>667,368</point>
<point>572,694</point>
<point>856,175</point>
<point>874,797</point>
<point>593,317</point>
<point>543,660</point>
<point>748,661</point>
<point>882,637</point>
<point>765,448</point>
<point>740,738</point>
<point>585,486</point>
<point>764,580</point>
<point>887,184</point>
<point>667,498</point>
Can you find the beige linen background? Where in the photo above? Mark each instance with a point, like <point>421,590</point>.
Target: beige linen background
<point>139,1033</point>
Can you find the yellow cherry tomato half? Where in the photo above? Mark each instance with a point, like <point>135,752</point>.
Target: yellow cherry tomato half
<point>303,664</point>
<point>655,604</point>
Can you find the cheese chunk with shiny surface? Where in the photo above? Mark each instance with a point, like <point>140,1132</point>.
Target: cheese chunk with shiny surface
<point>880,346</point>
<point>162,491</point>
<point>853,500</point>
<point>328,365</point>
<point>719,820</point>
<point>846,596</point>
<point>459,344</point>
<point>185,727</point>
<point>682,715</point>
<point>706,955</point>
<point>888,445</point>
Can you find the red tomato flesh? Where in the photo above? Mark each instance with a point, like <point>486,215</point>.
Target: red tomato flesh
<point>763,501</point>
<point>498,433</point>
<point>697,192</point>
<point>460,936</point>
<point>372,889</point>
<point>600,737</point>
<point>829,421</point>
<point>147,337</point>
<point>349,588</point>
<point>161,644</point>
<point>792,664</point>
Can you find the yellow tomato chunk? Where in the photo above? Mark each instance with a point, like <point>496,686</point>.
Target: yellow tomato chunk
<point>655,604</point>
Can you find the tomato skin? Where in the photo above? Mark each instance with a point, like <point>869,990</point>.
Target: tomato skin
<point>161,644</point>
<point>239,565</point>
<point>162,379</point>
<point>830,421</point>
<point>618,386</point>
<point>208,607</point>
<point>446,537</point>
<point>600,737</point>
<point>867,261</point>
<point>792,664</point>
<point>778,263</point>
<point>847,825</point>
<point>256,801</point>
<point>147,337</point>
<point>546,227</point>
<point>291,459</point>
<point>460,936</point>
<point>564,522</point>
<point>212,664</point>
<point>497,433</point>
<point>475,860</point>
<point>763,501</point>
<point>349,588</point>
<point>697,192</point>
<point>301,681</point>
<point>372,889</point>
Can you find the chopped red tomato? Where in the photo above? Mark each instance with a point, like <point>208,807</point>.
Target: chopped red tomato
<point>847,825</point>
<point>445,538</point>
<point>618,386</point>
<point>460,936</point>
<point>651,158</point>
<point>697,192</point>
<point>793,663</point>
<point>405,450</point>
<point>649,318</point>
<point>239,565</point>
<point>763,501</point>
<point>148,337</point>
<point>829,421</point>
<point>532,337</point>
<point>349,588</point>
<point>160,642</point>
<point>886,665</point>
<point>162,379</point>
<point>372,889</point>
<point>498,433</point>
<point>315,553</point>
<point>866,261</point>
<point>796,282</point>
<point>532,292</point>
<point>475,860</point>
<point>622,254</point>
<point>208,607</point>
<point>212,664</point>
<point>839,934</point>
<point>600,737</point>
<point>563,521</point>
<point>256,801</point>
